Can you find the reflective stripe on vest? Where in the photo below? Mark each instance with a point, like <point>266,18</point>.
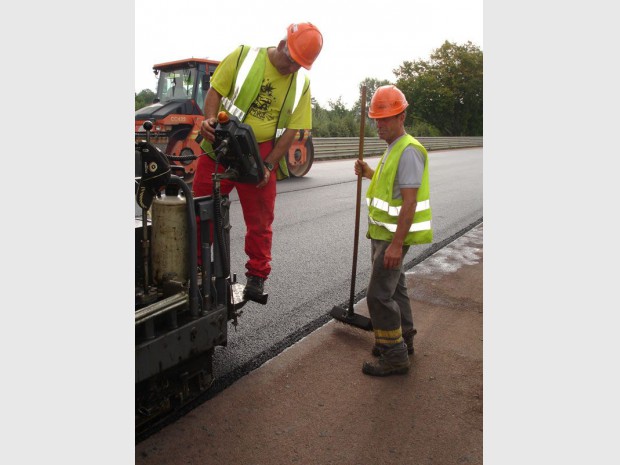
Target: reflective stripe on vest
<point>244,71</point>
<point>232,109</point>
<point>423,226</point>
<point>299,88</point>
<point>395,211</point>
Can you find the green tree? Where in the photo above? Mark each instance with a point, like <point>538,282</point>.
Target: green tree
<point>320,120</point>
<point>144,98</point>
<point>344,122</point>
<point>446,91</point>
<point>338,108</point>
<point>421,128</point>
<point>337,121</point>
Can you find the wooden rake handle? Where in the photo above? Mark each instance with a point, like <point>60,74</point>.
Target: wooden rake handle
<point>360,156</point>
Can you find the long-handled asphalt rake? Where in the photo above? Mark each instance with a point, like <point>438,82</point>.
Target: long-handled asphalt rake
<point>347,315</point>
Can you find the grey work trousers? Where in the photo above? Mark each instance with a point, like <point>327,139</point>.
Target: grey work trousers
<point>388,301</point>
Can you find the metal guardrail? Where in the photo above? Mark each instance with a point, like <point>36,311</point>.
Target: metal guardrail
<point>326,148</point>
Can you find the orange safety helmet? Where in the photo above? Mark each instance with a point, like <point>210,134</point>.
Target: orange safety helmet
<point>304,42</point>
<point>387,101</point>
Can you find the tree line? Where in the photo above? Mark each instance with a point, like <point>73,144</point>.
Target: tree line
<point>444,95</point>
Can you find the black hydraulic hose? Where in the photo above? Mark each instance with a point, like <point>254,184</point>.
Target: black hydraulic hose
<point>181,157</point>
<point>194,299</point>
<point>145,251</point>
<point>219,226</point>
<point>191,157</point>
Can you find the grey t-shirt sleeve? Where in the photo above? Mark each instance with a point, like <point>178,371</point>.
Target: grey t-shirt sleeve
<point>410,170</point>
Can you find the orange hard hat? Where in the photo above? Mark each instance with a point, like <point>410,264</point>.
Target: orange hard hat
<point>387,101</point>
<point>304,42</point>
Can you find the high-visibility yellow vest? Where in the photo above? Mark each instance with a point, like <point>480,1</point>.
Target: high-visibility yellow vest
<point>246,86</point>
<point>383,210</point>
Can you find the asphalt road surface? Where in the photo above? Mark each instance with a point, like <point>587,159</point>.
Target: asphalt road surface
<point>313,248</point>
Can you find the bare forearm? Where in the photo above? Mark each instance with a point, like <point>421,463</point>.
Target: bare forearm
<point>212,103</point>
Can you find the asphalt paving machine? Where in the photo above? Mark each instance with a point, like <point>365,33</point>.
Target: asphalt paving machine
<point>182,307</point>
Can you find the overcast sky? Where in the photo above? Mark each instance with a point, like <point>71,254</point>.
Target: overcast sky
<point>364,39</point>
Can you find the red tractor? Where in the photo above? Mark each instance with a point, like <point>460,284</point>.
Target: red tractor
<point>177,111</point>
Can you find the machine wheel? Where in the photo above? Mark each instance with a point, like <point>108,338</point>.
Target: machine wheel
<point>190,166</point>
<point>176,147</point>
<point>299,163</point>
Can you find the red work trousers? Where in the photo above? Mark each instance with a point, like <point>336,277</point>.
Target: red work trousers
<point>257,205</point>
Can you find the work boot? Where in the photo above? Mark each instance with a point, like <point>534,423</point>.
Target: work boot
<point>376,350</point>
<point>254,287</point>
<point>408,337</point>
<point>384,368</point>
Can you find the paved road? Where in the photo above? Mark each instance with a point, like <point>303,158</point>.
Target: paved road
<point>313,250</point>
<point>312,405</point>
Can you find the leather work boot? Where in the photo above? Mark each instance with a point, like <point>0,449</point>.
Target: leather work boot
<point>384,368</point>
<point>254,287</point>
